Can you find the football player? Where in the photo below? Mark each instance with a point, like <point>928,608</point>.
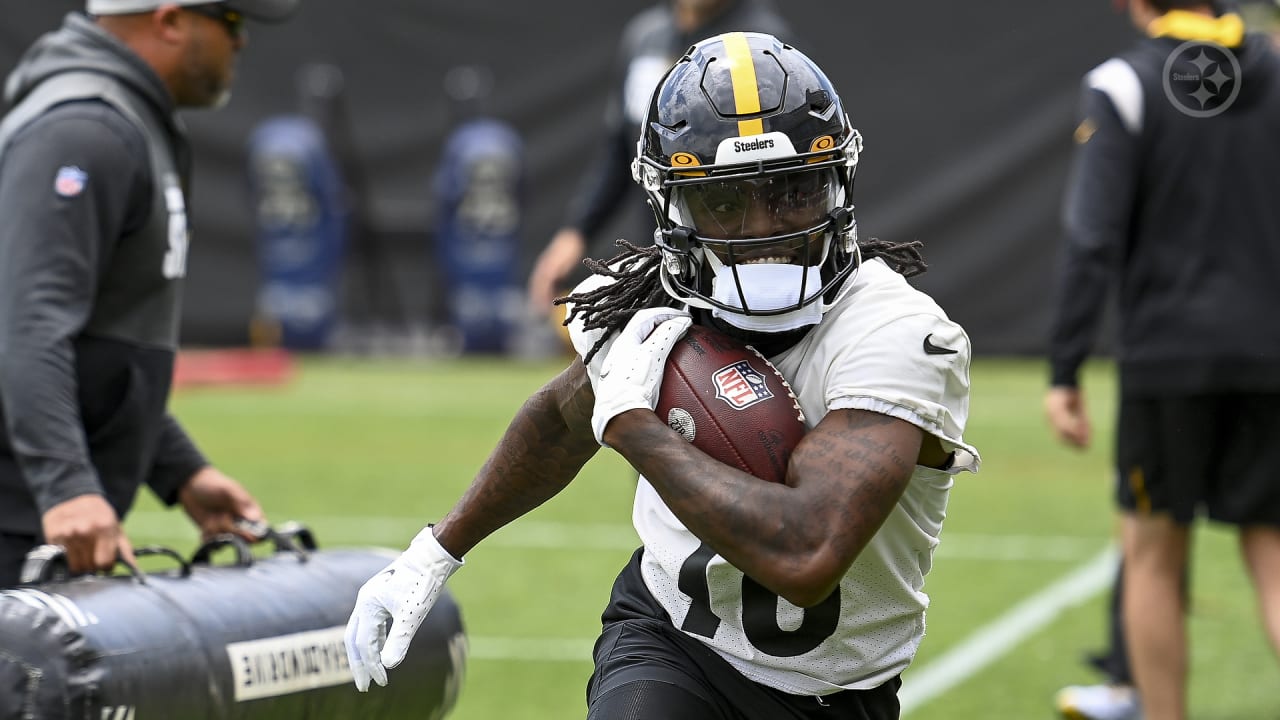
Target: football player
<point>747,599</point>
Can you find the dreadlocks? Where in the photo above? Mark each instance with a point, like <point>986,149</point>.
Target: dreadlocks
<point>903,258</point>
<point>637,284</point>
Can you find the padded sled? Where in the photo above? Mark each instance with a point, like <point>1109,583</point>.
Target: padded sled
<point>259,639</point>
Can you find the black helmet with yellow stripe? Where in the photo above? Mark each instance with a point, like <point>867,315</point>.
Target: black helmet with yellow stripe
<point>748,158</point>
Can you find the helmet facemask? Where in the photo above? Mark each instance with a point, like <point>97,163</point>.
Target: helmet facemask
<point>765,247</point>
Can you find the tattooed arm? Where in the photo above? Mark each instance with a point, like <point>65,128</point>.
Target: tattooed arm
<point>796,539</point>
<point>547,443</point>
<point>544,447</point>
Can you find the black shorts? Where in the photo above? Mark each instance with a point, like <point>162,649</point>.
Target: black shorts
<point>1204,455</point>
<point>647,669</point>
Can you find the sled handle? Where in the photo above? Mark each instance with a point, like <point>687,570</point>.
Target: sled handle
<point>184,567</point>
<point>244,553</point>
<point>45,563</point>
<point>294,537</point>
<point>291,537</point>
<point>48,563</point>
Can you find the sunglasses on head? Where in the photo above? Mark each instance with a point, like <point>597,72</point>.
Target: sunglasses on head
<point>230,19</point>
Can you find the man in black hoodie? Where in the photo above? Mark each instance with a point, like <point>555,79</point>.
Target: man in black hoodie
<point>1172,196</point>
<point>94,170</point>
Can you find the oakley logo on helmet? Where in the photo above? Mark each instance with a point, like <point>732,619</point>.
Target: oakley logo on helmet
<point>684,159</point>
<point>826,142</point>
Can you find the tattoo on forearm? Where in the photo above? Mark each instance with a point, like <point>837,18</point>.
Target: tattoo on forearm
<point>876,458</point>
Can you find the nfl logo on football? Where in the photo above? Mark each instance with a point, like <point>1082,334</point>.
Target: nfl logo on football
<point>740,385</point>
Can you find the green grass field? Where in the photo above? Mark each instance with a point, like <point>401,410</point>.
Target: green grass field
<point>365,453</point>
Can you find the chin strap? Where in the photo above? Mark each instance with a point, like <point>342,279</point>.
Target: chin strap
<point>768,344</point>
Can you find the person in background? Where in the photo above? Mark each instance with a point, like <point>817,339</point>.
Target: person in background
<point>651,42</point>
<point>747,599</point>
<point>94,172</point>
<point>1172,197</point>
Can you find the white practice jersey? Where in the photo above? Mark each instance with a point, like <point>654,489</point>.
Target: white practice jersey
<point>887,348</point>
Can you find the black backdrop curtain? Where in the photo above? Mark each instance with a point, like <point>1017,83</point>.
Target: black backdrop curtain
<point>967,110</point>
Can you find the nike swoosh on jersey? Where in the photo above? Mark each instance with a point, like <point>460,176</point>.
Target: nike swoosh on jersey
<point>932,349</point>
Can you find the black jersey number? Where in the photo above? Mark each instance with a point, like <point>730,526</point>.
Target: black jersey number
<point>759,612</point>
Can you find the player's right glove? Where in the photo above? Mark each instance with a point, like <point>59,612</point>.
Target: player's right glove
<point>632,373</point>
<point>391,606</point>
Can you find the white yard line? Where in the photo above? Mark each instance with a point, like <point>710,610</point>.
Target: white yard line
<point>992,641</point>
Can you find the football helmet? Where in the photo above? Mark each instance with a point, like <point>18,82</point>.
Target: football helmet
<point>747,158</point>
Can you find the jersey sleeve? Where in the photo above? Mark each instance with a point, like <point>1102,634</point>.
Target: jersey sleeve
<point>177,460</point>
<point>916,369</point>
<point>584,340</point>
<point>1096,216</point>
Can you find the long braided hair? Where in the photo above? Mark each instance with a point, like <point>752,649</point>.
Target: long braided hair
<point>637,285</point>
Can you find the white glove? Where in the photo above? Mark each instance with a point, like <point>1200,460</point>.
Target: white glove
<point>632,372</point>
<point>400,596</point>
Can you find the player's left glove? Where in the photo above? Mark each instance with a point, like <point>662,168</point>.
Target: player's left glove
<point>632,372</point>
<point>399,597</point>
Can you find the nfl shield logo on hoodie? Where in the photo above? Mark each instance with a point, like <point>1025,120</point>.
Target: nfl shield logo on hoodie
<point>70,181</point>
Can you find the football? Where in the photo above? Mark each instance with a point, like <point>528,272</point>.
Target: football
<point>731,403</point>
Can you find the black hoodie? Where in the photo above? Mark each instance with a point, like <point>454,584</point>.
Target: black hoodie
<point>93,172</point>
